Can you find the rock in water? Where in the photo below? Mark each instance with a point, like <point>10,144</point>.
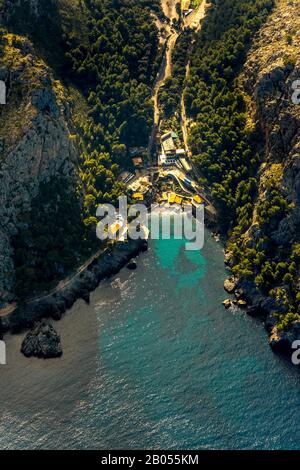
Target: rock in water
<point>132,265</point>
<point>230,285</point>
<point>283,341</point>
<point>227,303</point>
<point>42,342</point>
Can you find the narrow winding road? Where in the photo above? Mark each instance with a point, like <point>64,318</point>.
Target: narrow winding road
<point>165,71</point>
<point>191,21</point>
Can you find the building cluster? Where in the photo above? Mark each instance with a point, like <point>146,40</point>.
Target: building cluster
<point>138,156</point>
<point>170,154</point>
<point>173,198</point>
<point>141,189</point>
<point>118,230</point>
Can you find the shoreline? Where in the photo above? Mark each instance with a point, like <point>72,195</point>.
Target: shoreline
<point>23,317</point>
<point>255,304</point>
<point>54,305</point>
<point>117,352</point>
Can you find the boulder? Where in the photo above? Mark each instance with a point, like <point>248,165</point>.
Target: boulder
<point>239,293</point>
<point>228,259</point>
<point>42,342</point>
<point>230,285</point>
<point>283,341</point>
<point>279,341</point>
<point>132,265</point>
<point>227,303</point>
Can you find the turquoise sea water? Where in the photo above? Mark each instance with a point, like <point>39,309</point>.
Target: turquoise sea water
<point>154,362</point>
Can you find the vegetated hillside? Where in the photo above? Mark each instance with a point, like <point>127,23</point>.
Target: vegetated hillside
<point>171,92</point>
<point>245,141</point>
<point>79,76</point>
<point>222,139</point>
<point>36,150</point>
<point>269,252</point>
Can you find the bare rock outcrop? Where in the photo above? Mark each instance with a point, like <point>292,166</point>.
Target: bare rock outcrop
<point>283,341</point>
<point>35,146</point>
<point>269,78</point>
<point>42,342</point>
<point>230,285</point>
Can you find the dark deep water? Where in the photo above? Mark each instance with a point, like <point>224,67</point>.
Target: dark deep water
<point>154,362</point>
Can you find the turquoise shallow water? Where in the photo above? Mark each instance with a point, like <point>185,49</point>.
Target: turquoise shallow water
<point>154,362</point>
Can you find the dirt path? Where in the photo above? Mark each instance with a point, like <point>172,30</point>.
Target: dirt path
<point>169,8</point>
<point>183,118</point>
<point>8,309</point>
<point>193,19</point>
<point>165,71</point>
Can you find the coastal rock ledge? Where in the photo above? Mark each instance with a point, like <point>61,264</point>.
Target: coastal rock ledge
<point>230,285</point>
<point>227,303</point>
<point>282,341</point>
<point>42,342</point>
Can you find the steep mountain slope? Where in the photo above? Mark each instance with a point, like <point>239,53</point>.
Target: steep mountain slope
<point>245,142</point>
<point>36,149</point>
<point>270,248</point>
<point>78,75</point>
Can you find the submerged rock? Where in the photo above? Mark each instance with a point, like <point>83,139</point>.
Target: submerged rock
<point>42,342</point>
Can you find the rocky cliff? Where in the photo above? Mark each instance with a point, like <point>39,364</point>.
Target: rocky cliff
<point>66,129</point>
<point>269,79</point>
<point>35,143</point>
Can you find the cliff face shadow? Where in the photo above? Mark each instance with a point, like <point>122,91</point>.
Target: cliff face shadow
<point>44,22</point>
